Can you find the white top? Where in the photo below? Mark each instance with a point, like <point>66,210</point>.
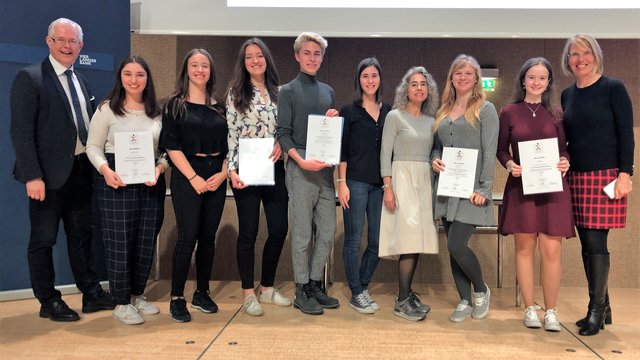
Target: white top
<point>105,123</point>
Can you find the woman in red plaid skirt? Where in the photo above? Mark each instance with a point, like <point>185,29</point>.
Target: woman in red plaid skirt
<point>598,121</point>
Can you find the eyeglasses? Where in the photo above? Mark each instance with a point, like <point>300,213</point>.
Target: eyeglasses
<point>577,55</point>
<point>62,41</point>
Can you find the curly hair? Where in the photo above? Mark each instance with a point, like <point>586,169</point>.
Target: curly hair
<point>430,104</point>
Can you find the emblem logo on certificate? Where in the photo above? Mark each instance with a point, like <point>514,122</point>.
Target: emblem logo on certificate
<point>459,175</point>
<point>539,160</point>
<point>324,138</point>
<point>254,165</point>
<point>135,162</point>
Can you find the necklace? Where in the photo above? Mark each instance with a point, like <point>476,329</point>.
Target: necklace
<point>533,112</point>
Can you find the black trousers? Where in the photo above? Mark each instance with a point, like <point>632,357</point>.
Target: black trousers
<point>71,203</point>
<point>275,201</point>
<point>197,220</point>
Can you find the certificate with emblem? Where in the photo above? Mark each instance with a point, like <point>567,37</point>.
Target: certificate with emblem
<point>324,138</point>
<point>254,165</point>
<point>135,161</point>
<point>459,175</point>
<point>539,161</point>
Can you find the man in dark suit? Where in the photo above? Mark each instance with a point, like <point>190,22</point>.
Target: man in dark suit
<point>51,106</point>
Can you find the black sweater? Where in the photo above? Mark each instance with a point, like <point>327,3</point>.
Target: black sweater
<point>598,121</point>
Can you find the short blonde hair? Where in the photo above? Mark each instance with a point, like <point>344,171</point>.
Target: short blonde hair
<point>588,42</point>
<point>310,37</point>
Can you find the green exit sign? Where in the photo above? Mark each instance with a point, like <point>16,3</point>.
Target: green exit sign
<point>489,84</point>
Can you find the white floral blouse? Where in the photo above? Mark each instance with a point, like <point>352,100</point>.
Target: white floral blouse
<point>259,121</point>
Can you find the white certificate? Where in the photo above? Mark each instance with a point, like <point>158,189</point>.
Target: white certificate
<point>459,175</point>
<point>254,165</point>
<point>539,161</point>
<point>135,162</point>
<point>324,138</point>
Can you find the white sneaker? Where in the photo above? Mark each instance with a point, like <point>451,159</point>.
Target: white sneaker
<point>374,305</point>
<point>462,311</point>
<point>551,322</point>
<point>481,304</point>
<point>274,296</point>
<point>128,314</point>
<point>145,307</point>
<point>531,317</point>
<point>252,306</point>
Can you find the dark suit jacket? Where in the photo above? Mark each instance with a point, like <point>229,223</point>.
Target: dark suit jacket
<point>42,126</point>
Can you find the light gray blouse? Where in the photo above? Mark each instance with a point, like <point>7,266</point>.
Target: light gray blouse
<point>483,137</point>
<point>405,138</point>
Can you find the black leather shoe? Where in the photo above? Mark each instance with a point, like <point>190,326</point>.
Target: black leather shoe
<point>91,304</point>
<point>57,310</point>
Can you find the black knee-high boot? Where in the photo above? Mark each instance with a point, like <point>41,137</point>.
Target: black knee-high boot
<point>607,310</point>
<point>598,277</point>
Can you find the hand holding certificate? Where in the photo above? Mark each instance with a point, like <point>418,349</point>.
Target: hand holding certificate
<point>255,166</point>
<point>539,160</point>
<point>458,178</point>
<point>135,162</point>
<point>324,138</point>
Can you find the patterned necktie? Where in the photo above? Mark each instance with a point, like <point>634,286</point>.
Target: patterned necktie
<point>82,129</point>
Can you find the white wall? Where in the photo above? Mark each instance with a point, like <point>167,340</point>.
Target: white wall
<point>212,17</point>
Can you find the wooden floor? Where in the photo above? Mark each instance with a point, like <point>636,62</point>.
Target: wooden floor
<point>286,333</point>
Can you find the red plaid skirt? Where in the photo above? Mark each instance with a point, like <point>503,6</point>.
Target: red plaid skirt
<point>592,208</point>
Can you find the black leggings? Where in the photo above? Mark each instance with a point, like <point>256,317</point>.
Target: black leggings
<point>594,241</point>
<point>465,266</point>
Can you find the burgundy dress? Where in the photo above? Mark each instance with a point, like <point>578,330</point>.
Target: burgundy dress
<point>548,213</point>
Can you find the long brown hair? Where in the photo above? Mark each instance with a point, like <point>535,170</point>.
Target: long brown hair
<point>177,103</point>
<point>116,97</point>
<point>240,87</point>
<point>519,91</point>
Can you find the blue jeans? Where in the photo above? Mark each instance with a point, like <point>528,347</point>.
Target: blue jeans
<point>367,198</point>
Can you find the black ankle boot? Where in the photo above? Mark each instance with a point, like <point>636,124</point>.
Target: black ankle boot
<point>608,320</point>
<point>598,277</point>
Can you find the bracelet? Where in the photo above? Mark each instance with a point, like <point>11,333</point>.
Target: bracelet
<point>341,180</point>
<point>386,186</point>
<point>193,177</point>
